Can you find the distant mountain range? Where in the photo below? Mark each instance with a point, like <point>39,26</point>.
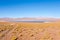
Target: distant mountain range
<point>28,19</point>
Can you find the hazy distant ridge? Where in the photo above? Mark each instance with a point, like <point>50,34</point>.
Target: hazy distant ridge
<point>29,19</point>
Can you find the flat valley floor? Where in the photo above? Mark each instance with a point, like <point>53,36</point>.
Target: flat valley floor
<point>29,31</point>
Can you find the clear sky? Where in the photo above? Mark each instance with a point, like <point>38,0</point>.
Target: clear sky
<point>29,8</point>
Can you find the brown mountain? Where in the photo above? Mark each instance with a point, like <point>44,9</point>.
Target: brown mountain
<point>22,19</point>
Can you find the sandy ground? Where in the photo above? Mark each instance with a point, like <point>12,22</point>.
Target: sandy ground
<point>31,31</point>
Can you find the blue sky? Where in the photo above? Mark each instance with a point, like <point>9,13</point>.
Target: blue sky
<point>29,8</point>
